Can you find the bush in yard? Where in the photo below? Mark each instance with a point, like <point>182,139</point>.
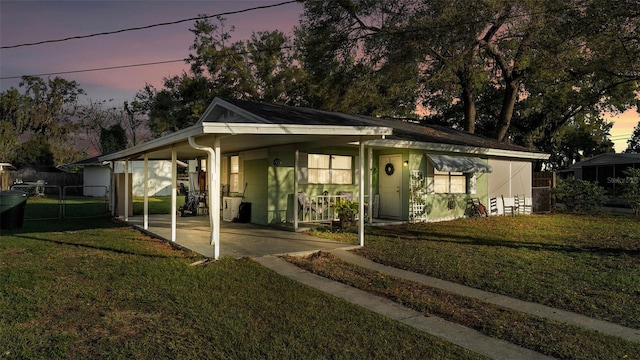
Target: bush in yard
<point>631,189</point>
<point>579,195</point>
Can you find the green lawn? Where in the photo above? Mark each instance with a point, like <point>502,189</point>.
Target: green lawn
<point>97,289</point>
<point>588,264</point>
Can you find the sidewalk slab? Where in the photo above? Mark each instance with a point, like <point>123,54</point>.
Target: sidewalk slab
<point>454,333</point>
<point>527,307</point>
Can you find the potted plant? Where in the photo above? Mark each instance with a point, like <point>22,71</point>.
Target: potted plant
<point>346,211</point>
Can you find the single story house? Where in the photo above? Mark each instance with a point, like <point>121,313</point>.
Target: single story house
<point>293,164</point>
<point>605,169</point>
<point>97,176</point>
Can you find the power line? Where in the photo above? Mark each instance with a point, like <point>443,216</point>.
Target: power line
<point>148,26</point>
<point>95,69</point>
<point>150,63</point>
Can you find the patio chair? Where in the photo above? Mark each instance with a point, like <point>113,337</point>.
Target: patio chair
<point>525,208</point>
<point>511,209</point>
<point>493,206</point>
<point>309,208</point>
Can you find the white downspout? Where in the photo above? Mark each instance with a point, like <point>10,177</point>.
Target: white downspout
<point>213,165</point>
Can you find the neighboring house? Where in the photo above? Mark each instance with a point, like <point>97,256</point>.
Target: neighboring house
<point>268,154</point>
<point>97,176</point>
<point>606,169</point>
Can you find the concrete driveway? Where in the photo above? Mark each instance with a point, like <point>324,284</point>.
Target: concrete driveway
<point>236,239</point>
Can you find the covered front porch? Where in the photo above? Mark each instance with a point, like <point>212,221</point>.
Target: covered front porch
<point>236,239</point>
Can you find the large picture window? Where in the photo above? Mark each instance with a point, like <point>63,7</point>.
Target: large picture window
<point>329,169</point>
<point>449,182</point>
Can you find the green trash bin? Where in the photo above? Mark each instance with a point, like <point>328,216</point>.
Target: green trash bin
<point>12,204</point>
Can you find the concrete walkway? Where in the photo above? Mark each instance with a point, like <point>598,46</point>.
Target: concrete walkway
<point>531,308</point>
<point>454,333</point>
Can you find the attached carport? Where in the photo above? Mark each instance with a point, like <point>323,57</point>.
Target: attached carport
<point>227,128</point>
<point>236,239</point>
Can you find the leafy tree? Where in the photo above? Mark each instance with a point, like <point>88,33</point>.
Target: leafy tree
<point>476,62</point>
<point>8,142</point>
<point>262,68</point>
<point>134,120</point>
<point>351,72</point>
<point>35,151</point>
<point>633,144</point>
<point>92,118</point>
<point>44,108</point>
<point>113,139</point>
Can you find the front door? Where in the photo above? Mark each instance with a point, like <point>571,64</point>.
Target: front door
<point>390,186</point>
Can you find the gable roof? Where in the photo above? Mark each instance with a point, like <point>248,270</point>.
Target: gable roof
<point>402,130</point>
<point>243,125</point>
<point>247,125</point>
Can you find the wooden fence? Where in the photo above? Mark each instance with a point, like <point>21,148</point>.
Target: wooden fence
<point>543,184</point>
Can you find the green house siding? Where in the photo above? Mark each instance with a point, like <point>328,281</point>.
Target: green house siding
<point>271,188</point>
<point>279,188</point>
<point>255,177</point>
<point>440,206</point>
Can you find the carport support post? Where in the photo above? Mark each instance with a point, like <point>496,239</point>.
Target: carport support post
<point>145,222</point>
<point>370,184</point>
<point>174,195</point>
<point>361,195</point>
<point>126,190</point>
<point>214,198</point>
<point>295,190</point>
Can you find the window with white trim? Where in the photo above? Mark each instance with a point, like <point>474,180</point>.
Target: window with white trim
<point>449,182</point>
<point>329,169</point>
<point>235,174</point>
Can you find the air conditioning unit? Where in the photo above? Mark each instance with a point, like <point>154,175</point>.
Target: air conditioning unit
<point>230,208</point>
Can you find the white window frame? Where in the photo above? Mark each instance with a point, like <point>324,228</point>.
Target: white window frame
<point>235,174</point>
<point>329,169</point>
<point>444,182</point>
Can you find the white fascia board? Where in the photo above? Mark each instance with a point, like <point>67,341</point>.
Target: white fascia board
<point>296,129</point>
<point>448,148</point>
<point>151,145</point>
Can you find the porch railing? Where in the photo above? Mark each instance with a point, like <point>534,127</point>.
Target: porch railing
<point>321,208</point>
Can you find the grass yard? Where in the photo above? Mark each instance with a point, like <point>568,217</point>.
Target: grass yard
<point>97,289</point>
<point>157,204</point>
<point>589,264</point>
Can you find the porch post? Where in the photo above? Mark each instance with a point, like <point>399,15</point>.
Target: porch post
<point>145,222</point>
<point>295,190</point>
<point>126,190</point>
<point>370,184</point>
<point>214,199</point>
<point>361,195</point>
<point>174,195</point>
<point>112,190</point>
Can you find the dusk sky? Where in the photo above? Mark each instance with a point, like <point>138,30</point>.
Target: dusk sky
<point>32,21</point>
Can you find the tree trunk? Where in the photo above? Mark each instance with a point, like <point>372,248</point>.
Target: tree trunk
<point>508,104</point>
<point>469,104</point>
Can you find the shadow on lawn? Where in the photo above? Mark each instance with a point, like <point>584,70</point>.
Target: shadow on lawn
<point>95,247</point>
<point>57,225</point>
<point>485,240</point>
